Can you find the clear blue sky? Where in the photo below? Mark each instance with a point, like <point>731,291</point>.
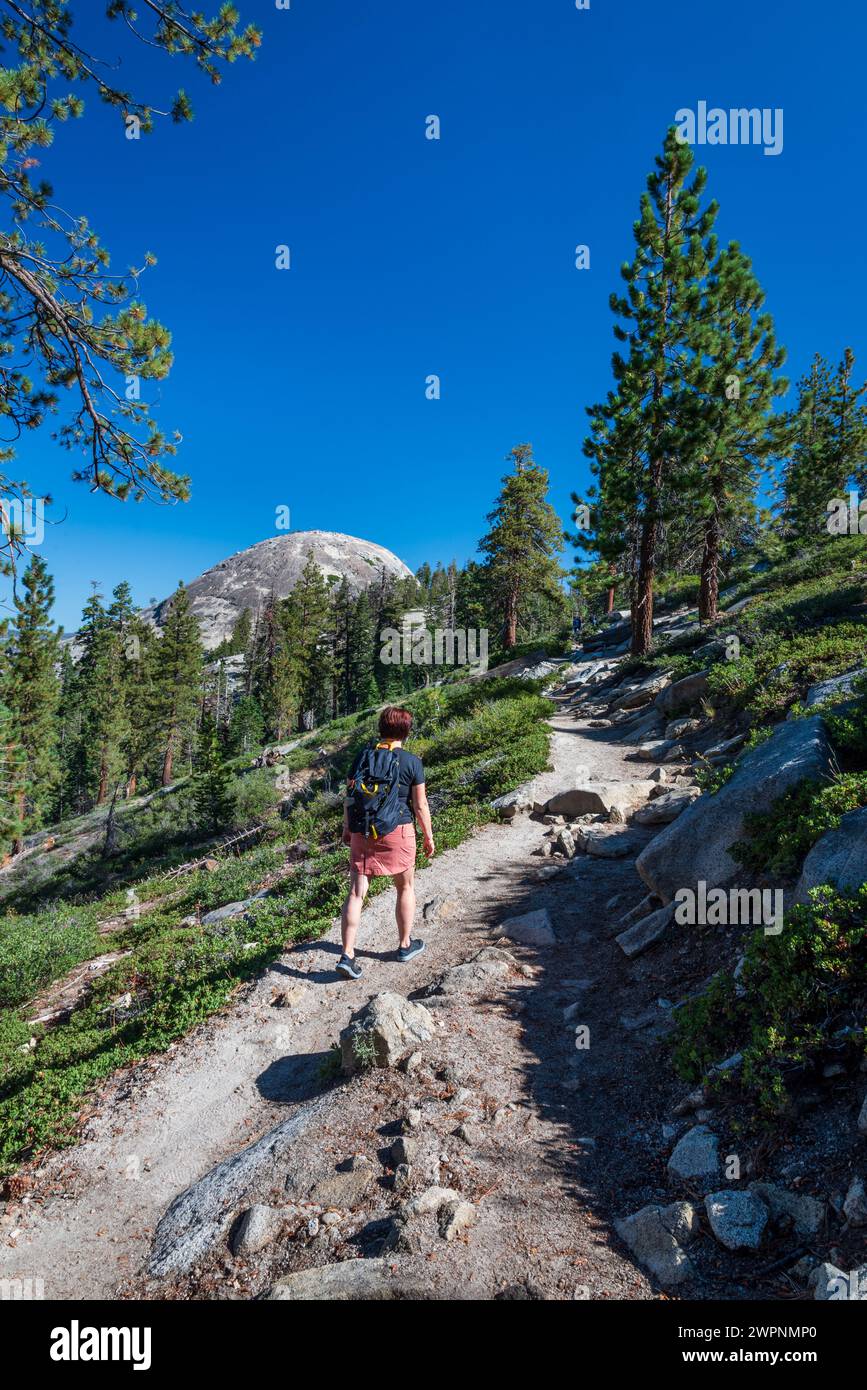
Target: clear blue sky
<point>306,388</point>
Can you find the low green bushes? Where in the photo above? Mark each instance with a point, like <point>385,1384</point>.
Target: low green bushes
<point>803,995</point>
<point>36,949</point>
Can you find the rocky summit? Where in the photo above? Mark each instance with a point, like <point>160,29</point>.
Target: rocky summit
<point>272,568</point>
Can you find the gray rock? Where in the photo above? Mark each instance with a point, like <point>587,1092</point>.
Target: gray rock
<point>512,803</point>
<point>472,976</point>
<point>656,1236</point>
<point>653,752</point>
<point>638,938</point>
<point>805,1213</point>
<point>403,1150</point>
<point>737,1219</point>
<point>402,1177</point>
<point>431,1200</point>
<point>862,1118</point>
<point>838,858</point>
<point>345,1189</point>
<point>644,692</point>
<point>565,843</point>
<point>664,809</point>
<point>384,1031</point>
<point>609,841</point>
<point>258,1227</point>
<point>353,1281</point>
<point>696,846</point>
<point>696,1155</point>
<point>682,694</point>
<point>455,1217</point>
<point>199,1218</point>
<point>855,1205</point>
<point>530,929</point>
<point>598,798</point>
<point>838,688</point>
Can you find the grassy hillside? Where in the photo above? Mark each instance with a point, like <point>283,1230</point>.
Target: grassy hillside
<point>477,740</point>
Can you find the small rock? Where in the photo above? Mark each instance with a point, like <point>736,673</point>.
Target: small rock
<point>737,1219</point>
<point>804,1212</point>
<point>431,1200</point>
<point>258,1227</point>
<point>656,1236</point>
<point>646,932</point>
<point>402,1177</point>
<point>696,1155</point>
<point>383,1032</point>
<point>470,1133</point>
<point>403,1150</point>
<point>454,1217</point>
<point>531,929</point>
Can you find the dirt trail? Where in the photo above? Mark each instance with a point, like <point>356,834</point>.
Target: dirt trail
<point>157,1128</point>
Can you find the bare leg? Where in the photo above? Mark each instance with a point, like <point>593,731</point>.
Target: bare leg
<point>405,906</point>
<point>351,914</point>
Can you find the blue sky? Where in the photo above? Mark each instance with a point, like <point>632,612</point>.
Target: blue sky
<point>306,388</point>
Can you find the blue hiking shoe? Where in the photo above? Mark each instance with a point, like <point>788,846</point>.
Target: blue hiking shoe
<point>414,948</point>
<point>349,967</point>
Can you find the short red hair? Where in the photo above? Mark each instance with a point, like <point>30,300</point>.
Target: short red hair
<point>395,722</point>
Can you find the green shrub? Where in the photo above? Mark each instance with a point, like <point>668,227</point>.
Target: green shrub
<point>801,990</point>
<point>37,949</point>
<point>777,842</point>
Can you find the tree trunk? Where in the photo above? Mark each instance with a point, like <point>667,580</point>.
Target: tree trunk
<point>609,602</point>
<point>709,590</point>
<point>168,760</point>
<point>642,608</point>
<point>131,785</point>
<point>511,621</point>
<point>18,840</point>
<point>102,793</point>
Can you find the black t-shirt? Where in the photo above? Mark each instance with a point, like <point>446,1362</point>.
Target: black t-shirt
<point>411,775</point>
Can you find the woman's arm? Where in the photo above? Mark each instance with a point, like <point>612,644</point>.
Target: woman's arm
<point>422,811</point>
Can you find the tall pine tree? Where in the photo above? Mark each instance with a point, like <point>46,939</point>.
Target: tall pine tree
<point>522,545</point>
<point>31,694</point>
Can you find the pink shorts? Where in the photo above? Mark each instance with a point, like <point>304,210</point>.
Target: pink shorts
<point>392,854</point>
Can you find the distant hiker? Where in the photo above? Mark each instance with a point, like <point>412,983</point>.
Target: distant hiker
<point>385,795</point>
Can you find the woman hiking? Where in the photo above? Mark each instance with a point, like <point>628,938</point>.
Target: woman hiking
<point>386,794</point>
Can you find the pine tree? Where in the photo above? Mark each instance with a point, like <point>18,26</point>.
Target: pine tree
<point>211,787</point>
<point>642,433</point>
<point>361,688</point>
<point>246,726</point>
<point>826,446</point>
<point>31,694</point>
<point>306,625</point>
<point>99,758</point>
<point>13,783</point>
<point>177,672</point>
<point>523,543</point>
<point>735,383</point>
<point>275,671</point>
